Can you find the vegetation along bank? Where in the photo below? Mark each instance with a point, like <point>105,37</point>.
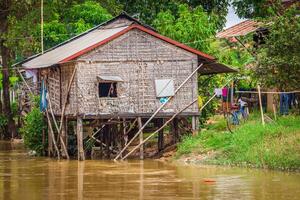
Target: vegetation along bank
<point>273,146</point>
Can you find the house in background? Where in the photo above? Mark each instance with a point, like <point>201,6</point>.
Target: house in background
<point>115,73</point>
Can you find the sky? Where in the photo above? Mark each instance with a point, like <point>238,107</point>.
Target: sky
<point>232,18</point>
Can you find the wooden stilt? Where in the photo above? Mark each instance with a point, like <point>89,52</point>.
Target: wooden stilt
<point>160,139</point>
<point>141,137</point>
<point>79,132</point>
<point>175,130</point>
<point>63,138</point>
<point>50,143</point>
<point>195,125</point>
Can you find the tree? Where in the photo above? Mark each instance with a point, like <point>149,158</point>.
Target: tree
<point>193,26</point>
<point>147,10</point>
<point>278,59</point>
<point>258,8</point>
<point>20,33</point>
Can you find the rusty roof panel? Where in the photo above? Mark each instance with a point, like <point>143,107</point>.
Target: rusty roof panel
<point>240,29</point>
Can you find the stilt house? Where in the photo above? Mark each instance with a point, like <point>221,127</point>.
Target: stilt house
<point>121,68</point>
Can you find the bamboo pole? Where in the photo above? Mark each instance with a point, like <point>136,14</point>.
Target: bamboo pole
<point>157,111</point>
<point>263,92</point>
<point>52,135</point>
<point>56,126</point>
<point>65,102</point>
<point>274,111</point>
<point>165,124</point>
<point>260,105</point>
<point>25,82</point>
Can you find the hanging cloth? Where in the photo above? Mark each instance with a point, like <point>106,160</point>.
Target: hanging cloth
<point>43,99</point>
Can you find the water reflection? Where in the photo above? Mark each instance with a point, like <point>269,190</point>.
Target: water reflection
<point>25,178</point>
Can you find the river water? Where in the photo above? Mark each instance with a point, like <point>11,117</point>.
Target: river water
<point>22,177</point>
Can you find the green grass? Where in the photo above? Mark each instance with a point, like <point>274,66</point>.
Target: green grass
<point>273,146</point>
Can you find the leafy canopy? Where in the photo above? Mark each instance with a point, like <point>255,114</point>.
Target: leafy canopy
<point>278,59</point>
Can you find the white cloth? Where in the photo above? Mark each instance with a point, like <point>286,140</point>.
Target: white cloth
<point>241,102</point>
<point>218,92</point>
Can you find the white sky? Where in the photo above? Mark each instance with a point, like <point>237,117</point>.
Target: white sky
<point>232,18</point>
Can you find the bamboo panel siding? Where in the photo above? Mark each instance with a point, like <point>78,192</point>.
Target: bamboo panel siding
<point>138,59</point>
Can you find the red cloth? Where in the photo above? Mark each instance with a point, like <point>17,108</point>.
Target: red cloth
<point>224,92</point>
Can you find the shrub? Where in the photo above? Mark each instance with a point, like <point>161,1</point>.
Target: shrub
<point>32,130</point>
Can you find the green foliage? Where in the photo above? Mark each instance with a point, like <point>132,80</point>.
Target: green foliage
<point>85,16</point>
<point>32,131</point>
<point>194,27</point>
<point>278,59</point>
<point>257,8</point>
<point>148,10</point>
<point>274,146</point>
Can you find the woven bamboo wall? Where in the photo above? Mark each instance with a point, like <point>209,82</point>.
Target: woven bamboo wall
<point>58,80</point>
<point>138,59</point>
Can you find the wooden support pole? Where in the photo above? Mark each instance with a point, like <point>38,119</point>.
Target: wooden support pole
<point>158,109</point>
<point>141,137</point>
<point>260,105</point>
<point>176,130</point>
<point>65,102</point>
<point>50,143</point>
<point>25,82</point>
<point>59,137</point>
<point>160,139</point>
<point>195,125</point>
<point>79,132</point>
<point>52,135</point>
<point>274,108</point>
<point>165,124</point>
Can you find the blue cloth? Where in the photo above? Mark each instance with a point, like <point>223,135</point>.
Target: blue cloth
<point>284,103</point>
<point>43,97</point>
<point>163,99</point>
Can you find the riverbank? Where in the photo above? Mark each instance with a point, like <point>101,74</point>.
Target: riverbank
<point>273,146</point>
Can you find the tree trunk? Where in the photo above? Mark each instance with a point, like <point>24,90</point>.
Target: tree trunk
<point>11,128</point>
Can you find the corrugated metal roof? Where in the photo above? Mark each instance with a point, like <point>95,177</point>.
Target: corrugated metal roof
<point>215,68</point>
<point>64,51</point>
<point>240,29</point>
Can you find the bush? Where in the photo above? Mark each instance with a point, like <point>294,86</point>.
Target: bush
<point>32,130</point>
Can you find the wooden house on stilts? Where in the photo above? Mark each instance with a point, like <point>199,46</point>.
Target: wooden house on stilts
<point>114,77</point>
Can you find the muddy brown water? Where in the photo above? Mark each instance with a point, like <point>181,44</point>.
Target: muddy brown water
<point>22,177</point>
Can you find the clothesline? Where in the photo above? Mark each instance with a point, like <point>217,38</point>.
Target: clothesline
<point>254,92</point>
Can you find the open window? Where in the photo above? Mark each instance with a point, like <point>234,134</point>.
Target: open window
<point>107,86</point>
<point>107,89</point>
